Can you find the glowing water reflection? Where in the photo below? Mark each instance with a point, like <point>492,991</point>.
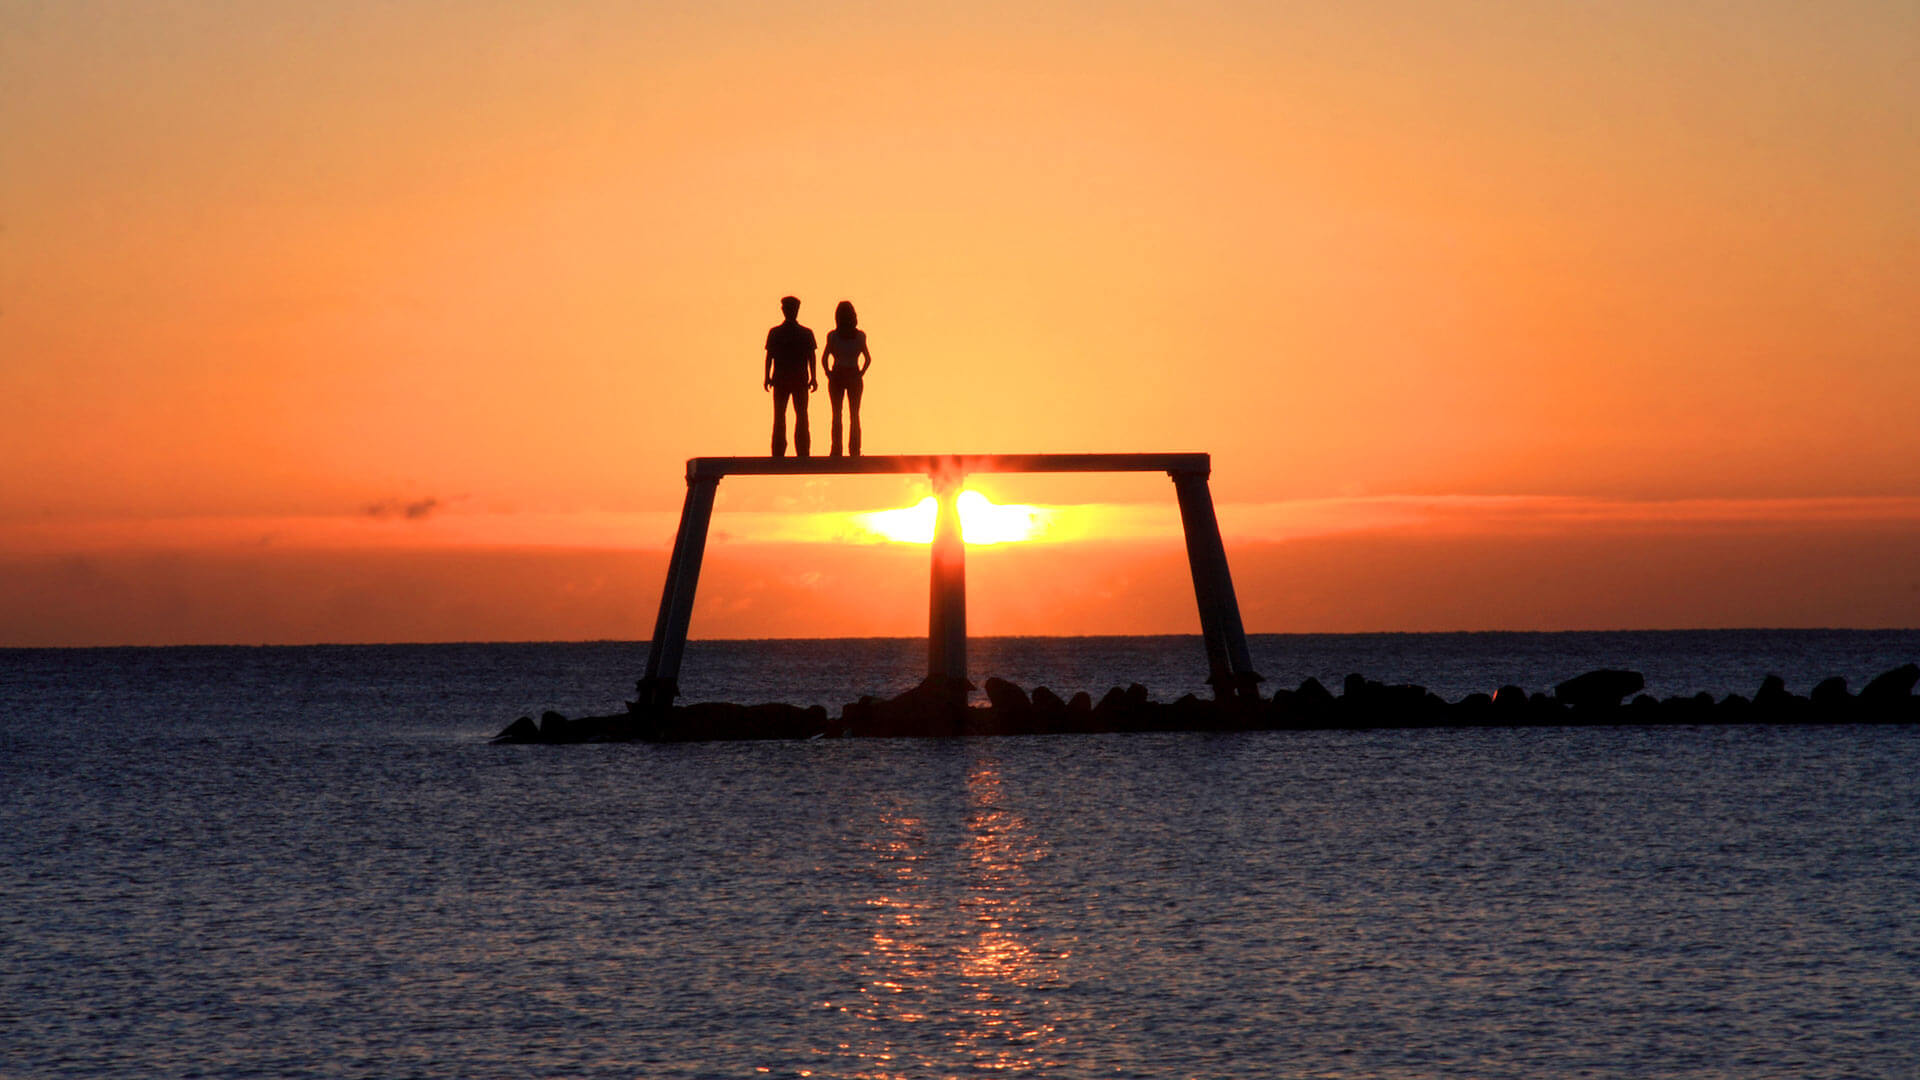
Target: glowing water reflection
<point>952,942</point>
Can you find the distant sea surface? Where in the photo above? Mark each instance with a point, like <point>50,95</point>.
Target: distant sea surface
<point>306,862</point>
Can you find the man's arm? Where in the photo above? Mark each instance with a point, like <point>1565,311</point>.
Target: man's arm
<point>766,378</point>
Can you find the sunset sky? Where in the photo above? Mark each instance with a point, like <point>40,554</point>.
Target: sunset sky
<point>397,321</point>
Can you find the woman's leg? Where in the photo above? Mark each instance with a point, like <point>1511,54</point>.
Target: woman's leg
<point>853,403</point>
<point>834,392</point>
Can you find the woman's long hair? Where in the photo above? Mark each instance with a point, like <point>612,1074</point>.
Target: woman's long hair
<point>844,319</point>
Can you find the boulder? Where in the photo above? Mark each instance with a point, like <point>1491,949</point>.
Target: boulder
<point>1830,694</point>
<point>1008,698</point>
<point>1773,702</point>
<point>1189,713</point>
<point>1602,689</point>
<point>553,727</point>
<point>1112,706</point>
<point>1049,712</point>
<point>1509,699</point>
<point>1891,687</point>
<point>520,731</point>
<point>1772,692</point>
<point>929,709</point>
<point>1313,694</point>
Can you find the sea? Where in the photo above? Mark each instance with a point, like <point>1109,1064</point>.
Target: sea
<point>309,862</point>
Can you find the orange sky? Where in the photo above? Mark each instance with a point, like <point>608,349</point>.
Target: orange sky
<point>1492,315</point>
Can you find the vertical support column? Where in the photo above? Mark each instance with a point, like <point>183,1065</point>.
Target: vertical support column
<point>947,595</point>
<point>1230,669</point>
<point>662,682</point>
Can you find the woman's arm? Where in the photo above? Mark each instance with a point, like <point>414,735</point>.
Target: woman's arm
<point>866,356</point>
<point>826,352</point>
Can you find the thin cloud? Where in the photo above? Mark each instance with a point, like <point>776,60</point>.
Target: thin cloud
<point>414,510</point>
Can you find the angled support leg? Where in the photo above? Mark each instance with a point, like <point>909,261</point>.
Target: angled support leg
<point>1230,669</point>
<point>662,682</point>
<point>947,598</point>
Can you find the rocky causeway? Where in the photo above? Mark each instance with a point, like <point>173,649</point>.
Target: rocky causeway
<point>931,710</point>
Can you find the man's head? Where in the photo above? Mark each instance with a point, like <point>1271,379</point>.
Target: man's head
<point>790,306</point>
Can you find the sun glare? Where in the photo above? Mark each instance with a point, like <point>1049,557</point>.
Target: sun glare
<point>981,521</point>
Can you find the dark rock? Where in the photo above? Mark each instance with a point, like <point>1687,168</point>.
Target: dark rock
<point>553,727</point>
<point>725,720</point>
<point>1313,694</point>
<point>1137,694</point>
<point>521,730</point>
<point>991,721</point>
<point>591,729</point>
<point>1697,709</point>
<point>1600,689</point>
<point>1735,710</point>
<point>1302,708</point>
<point>1112,706</point>
<point>1474,710</point>
<point>1830,694</point>
<point>1080,704</point>
<point>1049,712</point>
<point>1773,703</point>
<point>1891,687</point>
<point>1008,698</point>
<point>935,707</point>
<point>1189,713</point>
<point>1772,692</point>
<point>1509,699</point>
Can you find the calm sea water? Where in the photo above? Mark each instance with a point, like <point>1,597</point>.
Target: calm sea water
<point>305,862</point>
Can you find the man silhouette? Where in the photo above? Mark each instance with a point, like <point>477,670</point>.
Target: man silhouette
<point>790,374</point>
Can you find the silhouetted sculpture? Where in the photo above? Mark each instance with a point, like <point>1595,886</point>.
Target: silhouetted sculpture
<point>846,359</point>
<point>790,374</point>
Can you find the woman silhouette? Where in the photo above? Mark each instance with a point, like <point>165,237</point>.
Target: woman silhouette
<point>846,359</point>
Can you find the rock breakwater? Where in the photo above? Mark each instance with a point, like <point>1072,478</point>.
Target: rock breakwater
<point>1605,697</point>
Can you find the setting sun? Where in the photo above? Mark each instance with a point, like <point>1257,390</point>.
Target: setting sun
<point>981,521</point>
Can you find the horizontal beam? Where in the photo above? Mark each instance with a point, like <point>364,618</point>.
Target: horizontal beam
<point>702,468</point>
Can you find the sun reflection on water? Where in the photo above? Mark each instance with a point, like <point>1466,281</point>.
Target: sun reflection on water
<point>951,942</point>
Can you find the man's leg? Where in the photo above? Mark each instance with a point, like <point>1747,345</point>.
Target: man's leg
<point>780,420</point>
<point>853,405</point>
<point>802,438</point>
<point>836,391</point>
